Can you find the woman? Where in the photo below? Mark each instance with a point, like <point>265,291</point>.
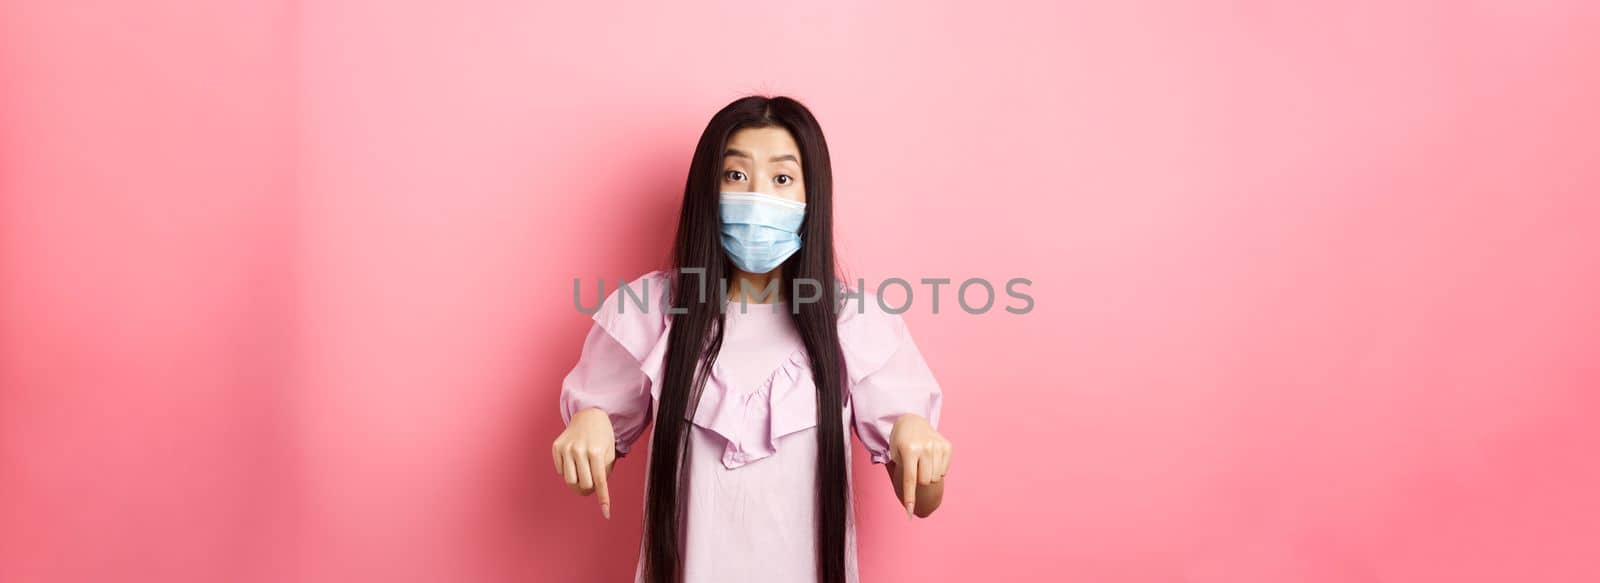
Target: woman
<point>748,474</point>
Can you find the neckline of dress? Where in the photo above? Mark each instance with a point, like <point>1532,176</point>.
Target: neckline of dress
<point>745,309</point>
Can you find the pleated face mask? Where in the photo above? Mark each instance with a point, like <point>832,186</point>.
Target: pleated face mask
<point>760,231</point>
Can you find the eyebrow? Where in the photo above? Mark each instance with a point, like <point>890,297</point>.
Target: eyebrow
<point>742,154</point>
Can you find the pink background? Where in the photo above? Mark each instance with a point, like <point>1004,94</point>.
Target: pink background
<point>285,287</point>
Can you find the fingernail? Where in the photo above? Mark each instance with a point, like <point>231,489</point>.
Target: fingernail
<point>908,512</point>
<point>605,510</point>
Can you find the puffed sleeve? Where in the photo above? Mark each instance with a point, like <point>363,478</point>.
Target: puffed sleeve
<point>888,376</point>
<point>609,374</point>
<point>608,378</point>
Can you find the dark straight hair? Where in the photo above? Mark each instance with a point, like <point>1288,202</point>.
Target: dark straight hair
<point>698,320</point>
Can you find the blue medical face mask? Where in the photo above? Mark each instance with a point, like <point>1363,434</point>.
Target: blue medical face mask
<point>760,231</point>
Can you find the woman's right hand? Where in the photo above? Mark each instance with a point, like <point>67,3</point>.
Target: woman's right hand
<point>584,454</point>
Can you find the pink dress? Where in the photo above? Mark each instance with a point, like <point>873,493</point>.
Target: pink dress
<point>751,501</point>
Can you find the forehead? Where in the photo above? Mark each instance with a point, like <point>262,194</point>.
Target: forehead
<point>764,142</point>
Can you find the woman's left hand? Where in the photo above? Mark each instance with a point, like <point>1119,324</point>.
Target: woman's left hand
<point>922,457</point>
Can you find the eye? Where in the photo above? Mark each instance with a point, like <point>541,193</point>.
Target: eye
<point>734,175</point>
<point>783,179</point>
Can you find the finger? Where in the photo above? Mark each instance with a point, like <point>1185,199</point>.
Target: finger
<point>555,454</point>
<point>569,471</point>
<point>597,466</point>
<point>944,463</point>
<point>908,481</point>
<point>585,479</point>
<point>925,468</point>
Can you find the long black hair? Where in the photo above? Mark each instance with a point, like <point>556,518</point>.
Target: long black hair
<point>697,327</point>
